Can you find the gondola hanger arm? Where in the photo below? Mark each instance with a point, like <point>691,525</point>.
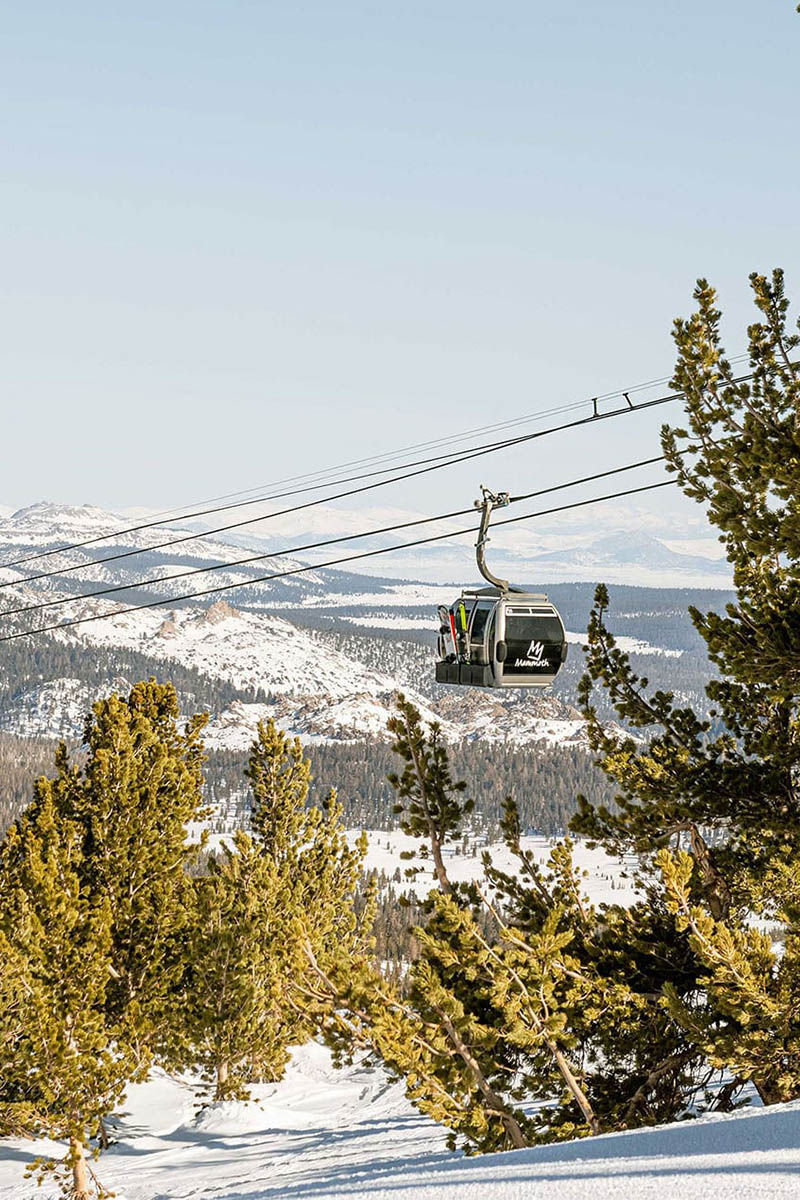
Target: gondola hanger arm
<point>488,502</point>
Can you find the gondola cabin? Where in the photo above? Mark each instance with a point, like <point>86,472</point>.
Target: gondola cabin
<point>503,639</point>
<point>499,636</point>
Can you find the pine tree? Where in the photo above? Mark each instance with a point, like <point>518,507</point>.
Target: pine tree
<point>556,1004</point>
<point>62,1069</point>
<point>428,799</point>
<point>450,985</point>
<point>274,916</point>
<point>482,1023</point>
<point>17,1114</point>
<point>233,1010</point>
<point>135,798</point>
<point>96,900</point>
<point>522,990</point>
<point>718,813</point>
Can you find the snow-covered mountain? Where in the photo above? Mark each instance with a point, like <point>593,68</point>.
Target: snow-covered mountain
<point>315,690</point>
<point>639,549</point>
<point>273,642</point>
<point>636,546</point>
<point>44,528</point>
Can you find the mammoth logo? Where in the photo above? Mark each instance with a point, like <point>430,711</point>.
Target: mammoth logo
<point>534,659</point>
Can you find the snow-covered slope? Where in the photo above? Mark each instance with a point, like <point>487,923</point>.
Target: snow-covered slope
<point>56,708</point>
<point>322,1134</point>
<point>250,650</point>
<point>316,687</point>
<point>315,690</point>
<point>44,528</point>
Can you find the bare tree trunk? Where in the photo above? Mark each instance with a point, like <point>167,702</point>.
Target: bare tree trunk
<point>438,862</point>
<point>575,1088</point>
<point>724,1100</point>
<point>509,1121</point>
<point>717,890</point>
<point>769,1094</point>
<point>80,1176</point>
<point>222,1079</point>
<point>673,1063</point>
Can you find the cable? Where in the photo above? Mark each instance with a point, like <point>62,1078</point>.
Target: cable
<point>262,499</point>
<point>169,514</point>
<point>436,464</point>
<point>335,562</point>
<point>349,537</point>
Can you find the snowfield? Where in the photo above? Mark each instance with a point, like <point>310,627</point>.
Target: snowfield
<point>630,645</point>
<point>606,880</point>
<point>322,1134</point>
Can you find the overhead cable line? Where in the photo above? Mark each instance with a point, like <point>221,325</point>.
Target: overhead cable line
<point>175,514</point>
<point>334,562</point>
<point>348,537</point>
<point>261,499</point>
<point>420,467</point>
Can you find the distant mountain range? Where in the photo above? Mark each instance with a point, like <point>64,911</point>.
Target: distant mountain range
<point>300,676</point>
<point>323,651</point>
<point>635,548</point>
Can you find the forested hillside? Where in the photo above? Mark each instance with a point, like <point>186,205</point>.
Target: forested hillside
<point>544,781</point>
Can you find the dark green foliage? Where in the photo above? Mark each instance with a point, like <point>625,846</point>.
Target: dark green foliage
<point>27,664</point>
<point>22,760</point>
<point>429,799</point>
<point>713,804</point>
<point>544,780</point>
<point>274,914</point>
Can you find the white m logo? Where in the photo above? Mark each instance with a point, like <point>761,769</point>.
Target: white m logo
<point>536,650</point>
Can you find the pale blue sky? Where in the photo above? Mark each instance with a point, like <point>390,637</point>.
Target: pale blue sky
<point>242,240</point>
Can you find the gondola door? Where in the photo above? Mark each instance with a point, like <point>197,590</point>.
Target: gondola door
<point>528,647</point>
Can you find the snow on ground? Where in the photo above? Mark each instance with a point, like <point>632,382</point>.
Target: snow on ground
<point>56,708</point>
<point>630,645</point>
<point>323,1134</point>
<point>608,880</point>
<point>314,719</point>
<point>249,650</point>
<point>400,595</point>
<point>392,622</point>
